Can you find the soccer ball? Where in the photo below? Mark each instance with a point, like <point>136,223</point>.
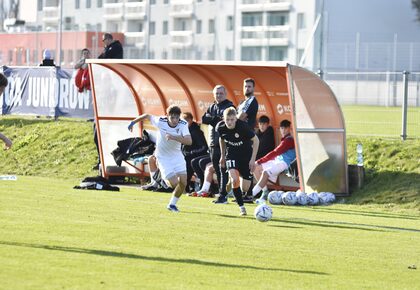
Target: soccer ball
<point>274,197</point>
<point>302,198</point>
<point>326,197</point>
<point>289,198</point>
<point>263,213</point>
<point>313,198</point>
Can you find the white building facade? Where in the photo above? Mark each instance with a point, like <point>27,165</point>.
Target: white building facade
<point>318,34</point>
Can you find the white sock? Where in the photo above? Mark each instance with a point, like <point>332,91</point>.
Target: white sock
<point>174,200</point>
<point>256,190</point>
<point>152,173</point>
<point>206,186</point>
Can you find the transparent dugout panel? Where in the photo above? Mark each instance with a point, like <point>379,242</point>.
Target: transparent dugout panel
<point>321,156</point>
<point>320,133</point>
<point>113,96</point>
<point>112,131</point>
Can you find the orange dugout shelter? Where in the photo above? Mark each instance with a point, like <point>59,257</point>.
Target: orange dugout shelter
<point>124,89</point>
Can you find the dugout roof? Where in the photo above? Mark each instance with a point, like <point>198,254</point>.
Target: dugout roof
<point>124,89</point>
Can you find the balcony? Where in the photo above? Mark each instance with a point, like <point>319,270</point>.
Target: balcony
<point>264,5</point>
<point>181,39</point>
<point>50,14</point>
<point>181,10</point>
<point>265,35</point>
<point>113,11</point>
<point>135,10</point>
<point>136,39</point>
<point>51,3</point>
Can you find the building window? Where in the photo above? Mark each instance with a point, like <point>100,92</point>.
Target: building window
<point>165,1</point>
<point>211,26</point>
<point>178,54</point>
<point>277,53</point>
<point>229,54</point>
<point>77,3</point>
<point>251,53</point>
<point>301,22</point>
<point>229,23</point>
<point>164,54</point>
<point>252,19</point>
<point>152,28</point>
<point>99,3</point>
<point>152,2</point>
<point>98,27</point>
<point>180,25</point>
<point>151,55</point>
<point>277,18</point>
<point>165,28</point>
<point>39,5</point>
<point>198,26</point>
<point>198,54</point>
<point>210,55</point>
<point>88,4</point>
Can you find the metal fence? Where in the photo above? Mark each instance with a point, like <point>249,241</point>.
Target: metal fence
<point>378,103</point>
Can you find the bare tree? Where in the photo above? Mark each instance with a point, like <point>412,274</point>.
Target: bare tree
<point>416,6</point>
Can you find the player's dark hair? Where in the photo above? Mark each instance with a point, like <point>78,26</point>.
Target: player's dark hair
<point>173,110</point>
<point>107,36</point>
<point>285,124</point>
<point>187,115</point>
<point>264,119</point>
<point>3,80</point>
<point>249,80</point>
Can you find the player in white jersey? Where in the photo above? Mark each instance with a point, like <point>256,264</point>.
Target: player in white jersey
<point>173,132</point>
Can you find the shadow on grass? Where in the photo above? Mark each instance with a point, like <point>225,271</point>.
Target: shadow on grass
<point>357,212</point>
<point>149,258</point>
<point>287,227</point>
<point>344,225</point>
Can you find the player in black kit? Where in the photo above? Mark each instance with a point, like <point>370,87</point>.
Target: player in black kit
<point>239,147</point>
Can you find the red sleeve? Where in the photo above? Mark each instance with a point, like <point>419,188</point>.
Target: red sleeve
<point>285,144</point>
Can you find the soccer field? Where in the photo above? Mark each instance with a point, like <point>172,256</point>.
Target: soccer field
<point>54,237</point>
<point>380,121</point>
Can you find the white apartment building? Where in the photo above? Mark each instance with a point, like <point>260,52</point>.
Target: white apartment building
<point>186,29</point>
<point>336,34</point>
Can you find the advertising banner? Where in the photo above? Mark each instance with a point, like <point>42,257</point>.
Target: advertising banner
<point>44,91</point>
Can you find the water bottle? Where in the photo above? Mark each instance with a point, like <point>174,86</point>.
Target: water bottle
<point>359,150</point>
<point>139,160</point>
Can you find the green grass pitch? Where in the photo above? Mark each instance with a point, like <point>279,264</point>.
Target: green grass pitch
<point>54,237</point>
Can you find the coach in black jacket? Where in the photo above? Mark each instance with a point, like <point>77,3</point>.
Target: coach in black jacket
<point>113,48</point>
<point>213,116</point>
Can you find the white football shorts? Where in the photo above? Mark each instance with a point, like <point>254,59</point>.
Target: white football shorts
<point>274,168</point>
<point>169,167</point>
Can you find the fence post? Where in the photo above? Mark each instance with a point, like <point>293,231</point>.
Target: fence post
<point>404,106</point>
